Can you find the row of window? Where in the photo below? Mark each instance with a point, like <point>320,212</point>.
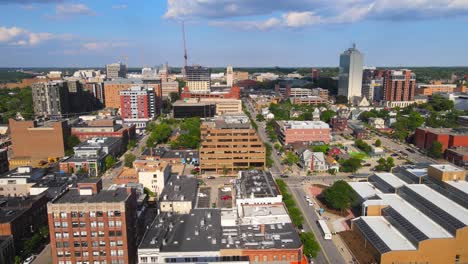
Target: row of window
<point>117,233</point>
<point>83,224</point>
<point>95,253</point>
<point>117,261</point>
<point>85,244</point>
<point>83,214</point>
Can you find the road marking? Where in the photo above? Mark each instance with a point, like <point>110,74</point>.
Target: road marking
<point>308,221</point>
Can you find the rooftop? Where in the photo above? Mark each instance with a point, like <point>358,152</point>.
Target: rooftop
<point>440,201</point>
<point>33,174</point>
<point>445,167</point>
<point>12,207</point>
<point>256,184</point>
<point>198,231</point>
<point>104,196</point>
<point>165,153</point>
<point>303,124</point>
<point>364,189</point>
<point>460,185</point>
<point>390,179</point>
<point>264,214</point>
<point>180,188</point>
<point>229,121</point>
<point>372,226</point>
<point>419,220</point>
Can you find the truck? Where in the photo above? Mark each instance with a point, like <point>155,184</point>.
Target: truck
<point>325,230</point>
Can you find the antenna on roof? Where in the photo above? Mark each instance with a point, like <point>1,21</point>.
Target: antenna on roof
<point>185,49</point>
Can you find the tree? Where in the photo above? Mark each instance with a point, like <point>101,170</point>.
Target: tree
<point>71,142</point>
<point>341,99</point>
<point>360,144</point>
<point>321,148</point>
<point>110,161</point>
<point>311,246</point>
<point>327,115</point>
<point>225,170</point>
<point>161,133</point>
<point>277,146</point>
<point>436,150</point>
<point>350,165</point>
<point>131,144</point>
<point>260,118</point>
<point>129,158</point>
<point>340,196</point>
<point>173,96</point>
<point>291,158</point>
<point>385,164</point>
<point>378,143</point>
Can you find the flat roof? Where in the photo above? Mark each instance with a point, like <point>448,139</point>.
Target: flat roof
<point>255,183</point>
<point>264,214</point>
<point>421,221</point>
<point>180,188</point>
<point>444,203</point>
<point>303,124</point>
<point>460,185</point>
<point>390,179</point>
<point>364,189</point>
<point>387,233</point>
<point>445,167</point>
<point>104,196</point>
<point>418,172</point>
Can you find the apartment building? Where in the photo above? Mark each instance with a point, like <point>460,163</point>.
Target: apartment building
<point>430,89</point>
<point>116,70</point>
<point>179,195</point>
<point>153,175</point>
<point>113,88</point>
<point>399,86</point>
<point>198,78</point>
<point>138,103</point>
<point>91,225</point>
<point>50,98</point>
<point>302,131</point>
<point>230,143</point>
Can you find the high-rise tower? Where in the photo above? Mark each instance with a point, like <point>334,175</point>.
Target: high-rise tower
<point>350,77</point>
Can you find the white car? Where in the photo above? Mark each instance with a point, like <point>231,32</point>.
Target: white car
<point>29,260</point>
<point>311,203</point>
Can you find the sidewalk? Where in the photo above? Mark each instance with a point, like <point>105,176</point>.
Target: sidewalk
<point>44,257</point>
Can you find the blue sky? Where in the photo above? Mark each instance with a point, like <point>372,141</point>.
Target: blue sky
<point>285,33</point>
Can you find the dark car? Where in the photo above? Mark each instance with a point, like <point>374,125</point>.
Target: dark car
<point>367,165</point>
<point>284,176</point>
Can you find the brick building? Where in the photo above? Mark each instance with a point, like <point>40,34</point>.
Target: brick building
<point>112,90</point>
<point>339,123</point>
<point>430,89</point>
<point>21,217</point>
<point>229,142</point>
<point>308,100</point>
<point>302,131</point>
<point>172,156</point>
<point>104,128</point>
<point>399,86</point>
<point>457,156</point>
<point>233,93</point>
<point>448,137</point>
<point>38,142</point>
<point>91,225</point>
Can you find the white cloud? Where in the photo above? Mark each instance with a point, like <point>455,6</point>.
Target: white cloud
<point>122,6</point>
<point>262,14</point>
<point>65,10</point>
<point>21,37</point>
<point>103,45</point>
<point>301,19</point>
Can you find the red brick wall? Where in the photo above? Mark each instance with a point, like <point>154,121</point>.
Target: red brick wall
<point>291,255</point>
<point>307,135</point>
<point>458,141</point>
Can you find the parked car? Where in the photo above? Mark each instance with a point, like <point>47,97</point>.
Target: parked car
<point>211,177</point>
<point>367,165</point>
<point>284,176</point>
<point>29,260</point>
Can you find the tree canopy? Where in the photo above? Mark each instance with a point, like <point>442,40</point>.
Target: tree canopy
<point>129,158</point>
<point>436,150</point>
<point>340,195</point>
<point>190,134</point>
<point>327,115</point>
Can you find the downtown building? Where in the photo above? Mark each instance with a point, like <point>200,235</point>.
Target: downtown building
<point>198,79</point>
<point>350,75</point>
<point>116,70</point>
<point>414,215</point>
<point>50,98</point>
<point>305,132</point>
<point>138,106</point>
<point>229,142</point>
<point>91,225</point>
<point>399,88</point>
<point>113,88</point>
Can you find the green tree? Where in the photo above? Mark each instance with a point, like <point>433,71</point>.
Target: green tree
<point>71,142</point>
<point>109,161</point>
<point>321,148</point>
<point>190,135</point>
<point>327,115</point>
<point>436,150</point>
<point>161,133</point>
<point>277,146</point>
<point>378,143</point>
<point>173,96</point>
<point>385,164</point>
<point>129,158</point>
<point>151,126</point>
<point>340,195</point>
<point>350,165</point>
<point>360,144</point>
<point>291,158</point>
<point>260,118</point>
<point>131,144</point>
<point>311,246</point>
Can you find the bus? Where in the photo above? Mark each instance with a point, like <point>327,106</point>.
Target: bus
<point>326,232</point>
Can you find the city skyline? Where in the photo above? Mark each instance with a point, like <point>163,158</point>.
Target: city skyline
<point>298,33</point>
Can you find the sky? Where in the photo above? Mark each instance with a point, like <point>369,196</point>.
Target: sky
<point>242,33</point>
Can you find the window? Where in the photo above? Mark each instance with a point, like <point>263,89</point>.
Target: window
<point>153,259</point>
<point>99,213</point>
<point>85,254</point>
<point>95,253</point>
<point>84,244</point>
<point>110,213</point>
<point>118,233</point>
<point>111,223</point>
<point>93,234</point>
<point>56,214</point>
<point>59,253</point>
<point>77,253</point>
<point>102,253</point>
<point>113,243</point>
<point>58,235</point>
<point>119,243</point>
<point>101,224</point>
<point>111,233</point>
<point>120,252</point>
<point>58,244</point>
<point>63,215</point>
<point>74,214</point>
<point>82,224</point>
<point>76,234</point>
<point>92,214</point>
<point>74,224</point>
<point>67,254</point>
<point>117,213</point>
<point>102,243</point>
<point>144,260</point>
<point>81,214</point>
<point>65,235</point>
<point>64,224</point>
<point>101,234</point>
<point>93,224</point>
<point>118,223</point>
<point>56,224</point>
<point>77,244</point>
<point>84,233</point>
<point>113,252</point>
<point>66,244</point>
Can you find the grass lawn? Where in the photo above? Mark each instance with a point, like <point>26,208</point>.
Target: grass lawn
<point>358,155</point>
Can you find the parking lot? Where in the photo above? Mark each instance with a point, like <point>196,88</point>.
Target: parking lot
<point>203,197</point>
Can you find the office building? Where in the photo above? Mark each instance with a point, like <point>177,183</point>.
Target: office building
<point>418,221</point>
<point>116,70</point>
<point>232,77</point>
<point>233,92</point>
<point>169,87</point>
<point>305,132</point>
<point>308,100</point>
<point>230,143</point>
<point>138,103</point>
<point>256,187</point>
<point>424,137</point>
<point>193,108</point>
<point>399,86</point>
<point>21,217</point>
<point>372,85</point>
<point>113,88</point>
<point>90,225</point>
<point>153,175</point>
<point>103,128</point>
<point>89,156</point>
<point>350,76</point>
<point>198,79</point>
<point>51,98</point>
<point>430,89</point>
<point>18,181</point>
<point>96,89</point>
<point>38,142</point>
